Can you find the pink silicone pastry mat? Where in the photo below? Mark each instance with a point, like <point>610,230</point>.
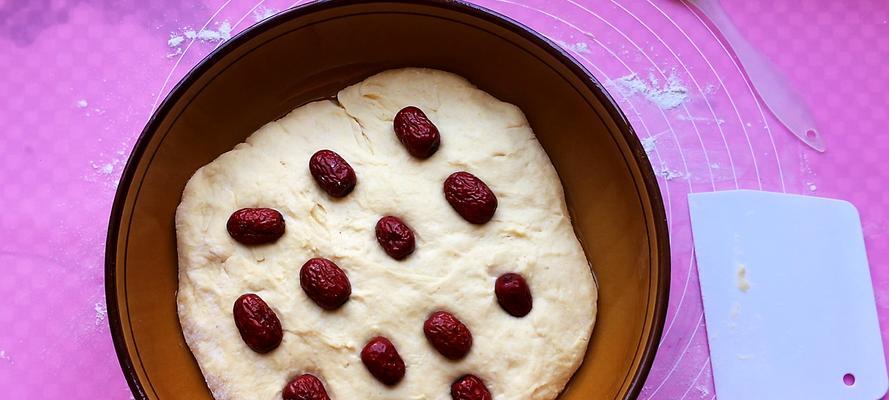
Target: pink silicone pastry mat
<point>79,80</point>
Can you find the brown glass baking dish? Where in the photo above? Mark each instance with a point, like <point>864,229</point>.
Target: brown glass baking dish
<point>309,53</point>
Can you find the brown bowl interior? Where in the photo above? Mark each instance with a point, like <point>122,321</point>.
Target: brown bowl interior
<point>311,52</point>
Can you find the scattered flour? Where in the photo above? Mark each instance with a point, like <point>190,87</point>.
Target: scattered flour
<point>670,174</point>
<point>107,170</point>
<point>714,165</point>
<point>742,283</point>
<point>684,117</point>
<point>101,312</point>
<point>262,13</point>
<point>671,95</point>
<point>175,40</point>
<point>650,142</point>
<point>804,161</point>
<point>807,171</point>
<point>84,105</point>
<point>222,33</point>
<point>175,53</point>
<point>210,35</point>
<point>6,357</point>
<point>703,390</point>
<point>748,124</point>
<point>104,169</point>
<point>579,47</point>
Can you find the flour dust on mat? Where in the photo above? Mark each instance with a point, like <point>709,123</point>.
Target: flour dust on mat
<point>670,173</point>
<point>263,13</point>
<point>107,168</point>
<point>101,312</point>
<point>579,47</point>
<point>683,117</point>
<point>650,143</point>
<point>809,175</point>
<point>222,33</point>
<point>671,94</point>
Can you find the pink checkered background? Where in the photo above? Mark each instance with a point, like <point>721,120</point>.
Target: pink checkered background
<point>79,80</point>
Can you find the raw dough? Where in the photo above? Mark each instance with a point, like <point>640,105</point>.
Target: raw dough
<point>453,268</point>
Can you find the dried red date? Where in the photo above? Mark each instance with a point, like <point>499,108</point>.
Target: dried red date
<point>383,361</point>
<point>332,173</point>
<point>448,335</point>
<point>325,283</point>
<point>255,225</point>
<point>416,132</point>
<point>396,238</point>
<point>470,197</point>
<point>513,294</point>
<point>305,387</point>
<point>256,321</point>
<point>469,387</point>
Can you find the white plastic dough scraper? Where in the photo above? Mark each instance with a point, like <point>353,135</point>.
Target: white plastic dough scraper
<point>788,298</point>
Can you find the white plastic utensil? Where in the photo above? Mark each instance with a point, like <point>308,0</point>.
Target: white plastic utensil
<point>787,296</point>
<point>781,99</point>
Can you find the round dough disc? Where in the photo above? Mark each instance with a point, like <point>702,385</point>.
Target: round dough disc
<point>453,268</point>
